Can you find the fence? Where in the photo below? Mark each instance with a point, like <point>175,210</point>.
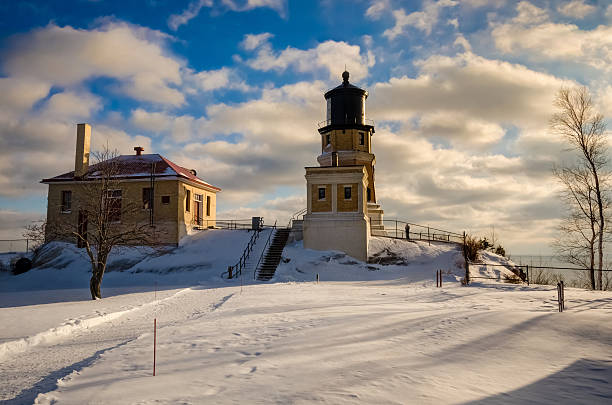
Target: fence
<point>528,273</point>
<point>392,228</point>
<point>17,245</point>
<point>228,224</point>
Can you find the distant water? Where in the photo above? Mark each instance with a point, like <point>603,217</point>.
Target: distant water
<point>545,261</point>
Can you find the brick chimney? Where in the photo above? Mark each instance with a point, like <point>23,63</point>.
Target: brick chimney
<point>138,150</point>
<point>81,160</point>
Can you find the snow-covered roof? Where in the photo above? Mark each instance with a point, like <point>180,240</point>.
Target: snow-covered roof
<point>137,166</point>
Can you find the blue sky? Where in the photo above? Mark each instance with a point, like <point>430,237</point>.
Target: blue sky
<point>461,92</point>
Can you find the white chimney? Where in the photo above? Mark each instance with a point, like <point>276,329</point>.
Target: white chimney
<point>81,161</point>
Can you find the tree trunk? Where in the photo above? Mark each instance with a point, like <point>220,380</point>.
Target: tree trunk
<point>601,225</point>
<point>94,287</point>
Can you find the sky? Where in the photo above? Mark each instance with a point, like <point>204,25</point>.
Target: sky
<point>461,92</point>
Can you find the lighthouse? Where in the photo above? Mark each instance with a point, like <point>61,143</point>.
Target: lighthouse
<point>341,193</point>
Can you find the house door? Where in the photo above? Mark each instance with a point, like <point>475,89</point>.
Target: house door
<point>82,229</point>
<point>198,209</point>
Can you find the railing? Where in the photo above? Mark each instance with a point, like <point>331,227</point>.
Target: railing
<point>364,121</point>
<point>405,230</point>
<point>296,215</point>
<point>18,245</point>
<point>223,223</point>
<point>236,270</point>
<point>263,252</point>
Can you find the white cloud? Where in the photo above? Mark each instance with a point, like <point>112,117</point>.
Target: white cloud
<point>377,8</point>
<point>224,78</point>
<point>484,89</point>
<point>254,41</point>
<point>276,5</point>
<point>66,56</point>
<point>182,128</point>
<point>72,105</point>
<point>533,35</point>
<point>20,94</point>
<point>195,6</point>
<point>576,9</point>
<point>421,20</point>
<point>192,11</point>
<point>329,56</point>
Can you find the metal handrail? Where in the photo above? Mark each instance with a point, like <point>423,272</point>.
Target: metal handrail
<point>263,252</point>
<point>242,261</point>
<point>428,233</point>
<point>364,121</point>
<point>296,215</point>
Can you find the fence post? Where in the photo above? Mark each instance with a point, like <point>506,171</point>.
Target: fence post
<point>562,296</point>
<point>396,228</point>
<point>467,262</point>
<point>428,238</point>
<point>229,271</point>
<point>527,274</point>
<point>27,245</point>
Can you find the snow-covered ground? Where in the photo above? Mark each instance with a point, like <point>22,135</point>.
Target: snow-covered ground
<point>366,333</point>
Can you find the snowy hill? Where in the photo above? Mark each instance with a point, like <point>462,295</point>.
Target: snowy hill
<point>377,332</point>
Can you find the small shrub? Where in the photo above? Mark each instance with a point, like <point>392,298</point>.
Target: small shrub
<point>499,250</point>
<point>472,246</point>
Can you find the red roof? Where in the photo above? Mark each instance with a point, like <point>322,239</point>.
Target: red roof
<point>138,166</point>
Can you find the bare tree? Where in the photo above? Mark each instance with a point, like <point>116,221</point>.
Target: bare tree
<point>584,130</point>
<point>579,230</point>
<point>106,219</point>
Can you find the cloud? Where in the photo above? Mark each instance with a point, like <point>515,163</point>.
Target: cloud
<point>20,94</point>
<point>277,5</point>
<point>182,128</point>
<point>224,78</point>
<point>254,41</point>
<point>192,11</point>
<point>534,36</point>
<point>66,56</point>
<point>377,8</point>
<point>329,57</point>
<point>421,20</point>
<point>576,9</point>
<point>13,223</point>
<point>484,89</point>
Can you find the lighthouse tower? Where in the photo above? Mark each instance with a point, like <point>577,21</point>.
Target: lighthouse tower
<point>342,208</point>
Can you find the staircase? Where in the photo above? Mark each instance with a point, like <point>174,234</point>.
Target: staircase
<point>272,257</point>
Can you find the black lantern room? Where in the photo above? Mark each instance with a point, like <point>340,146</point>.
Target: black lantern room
<point>345,108</point>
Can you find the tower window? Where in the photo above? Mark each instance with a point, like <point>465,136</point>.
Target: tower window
<point>187,200</point>
<point>347,192</point>
<point>321,193</point>
<point>327,139</point>
<point>369,194</point>
<point>361,138</point>
<point>165,199</point>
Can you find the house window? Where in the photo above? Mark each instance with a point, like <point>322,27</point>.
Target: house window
<point>147,198</point>
<point>347,192</point>
<point>113,200</point>
<point>327,139</point>
<point>361,138</point>
<point>66,201</point>
<point>321,193</point>
<point>187,200</point>
<point>165,199</point>
<point>207,205</point>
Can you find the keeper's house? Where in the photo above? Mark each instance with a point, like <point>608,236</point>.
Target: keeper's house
<point>173,199</point>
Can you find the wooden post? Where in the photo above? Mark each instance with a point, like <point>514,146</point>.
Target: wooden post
<point>467,262</point>
<point>154,343</point>
<point>317,278</point>
<point>229,271</point>
<point>527,274</point>
<point>428,238</point>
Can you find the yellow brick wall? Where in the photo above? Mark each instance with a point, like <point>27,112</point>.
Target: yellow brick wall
<point>321,206</point>
<point>169,219</point>
<point>347,205</point>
